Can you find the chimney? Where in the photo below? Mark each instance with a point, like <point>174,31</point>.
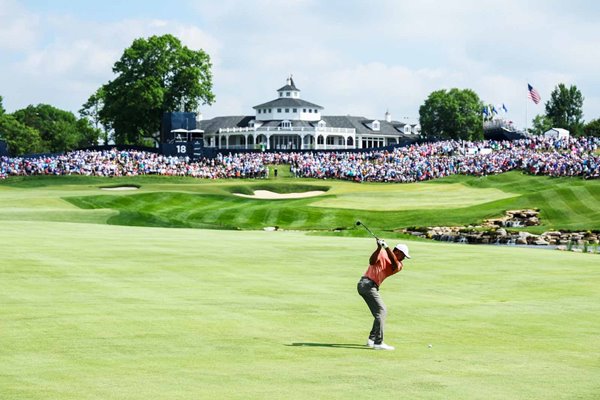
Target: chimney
<point>388,116</point>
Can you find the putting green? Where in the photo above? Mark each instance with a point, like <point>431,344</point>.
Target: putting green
<point>95,311</point>
<point>415,196</point>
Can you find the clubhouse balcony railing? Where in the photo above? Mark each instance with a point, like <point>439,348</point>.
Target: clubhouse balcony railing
<point>311,146</point>
<point>296,129</point>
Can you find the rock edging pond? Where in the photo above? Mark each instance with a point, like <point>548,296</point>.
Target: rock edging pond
<point>509,230</point>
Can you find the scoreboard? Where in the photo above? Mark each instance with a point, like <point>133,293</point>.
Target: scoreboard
<point>192,149</point>
<point>179,136</point>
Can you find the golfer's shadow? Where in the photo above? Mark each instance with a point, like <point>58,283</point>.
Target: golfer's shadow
<point>333,345</point>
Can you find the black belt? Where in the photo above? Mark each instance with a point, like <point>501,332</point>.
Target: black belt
<point>369,279</point>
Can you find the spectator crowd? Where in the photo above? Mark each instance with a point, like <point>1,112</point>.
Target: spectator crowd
<point>414,163</point>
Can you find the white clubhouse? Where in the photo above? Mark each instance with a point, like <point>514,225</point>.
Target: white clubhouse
<point>289,122</point>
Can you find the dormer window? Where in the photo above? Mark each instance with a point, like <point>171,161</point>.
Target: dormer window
<point>321,124</point>
<point>375,125</point>
<point>286,124</point>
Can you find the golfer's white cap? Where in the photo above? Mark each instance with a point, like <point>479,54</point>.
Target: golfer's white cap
<point>403,248</point>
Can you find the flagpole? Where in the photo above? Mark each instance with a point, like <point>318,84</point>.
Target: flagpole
<point>526,132</point>
<point>482,121</point>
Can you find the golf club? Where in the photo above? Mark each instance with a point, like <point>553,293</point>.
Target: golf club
<point>364,226</point>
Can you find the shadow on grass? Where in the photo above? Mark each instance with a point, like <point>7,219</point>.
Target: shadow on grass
<point>334,345</point>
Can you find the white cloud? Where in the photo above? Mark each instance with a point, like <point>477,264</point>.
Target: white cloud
<point>68,65</point>
<point>18,27</point>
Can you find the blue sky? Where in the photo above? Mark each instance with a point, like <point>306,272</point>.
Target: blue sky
<point>351,57</point>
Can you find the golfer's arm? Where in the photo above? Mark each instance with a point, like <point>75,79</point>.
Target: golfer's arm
<point>373,258</point>
<point>395,264</point>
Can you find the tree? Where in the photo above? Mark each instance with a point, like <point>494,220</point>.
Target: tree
<point>91,111</point>
<point>592,128</point>
<point>453,114</point>
<point>541,124</point>
<point>20,138</point>
<point>154,76</point>
<point>59,130</point>
<point>564,109</point>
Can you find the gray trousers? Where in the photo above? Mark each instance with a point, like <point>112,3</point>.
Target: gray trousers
<point>370,292</point>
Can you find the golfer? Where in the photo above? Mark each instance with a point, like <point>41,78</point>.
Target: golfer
<point>383,263</point>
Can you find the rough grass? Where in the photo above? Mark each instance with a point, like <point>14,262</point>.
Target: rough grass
<point>95,311</point>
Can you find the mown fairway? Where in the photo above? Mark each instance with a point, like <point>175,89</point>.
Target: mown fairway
<point>570,204</point>
<point>96,311</point>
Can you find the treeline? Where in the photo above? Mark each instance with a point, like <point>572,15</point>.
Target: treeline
<point>45,129</point>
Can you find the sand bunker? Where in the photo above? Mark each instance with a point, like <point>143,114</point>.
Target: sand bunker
<point>265,194</point>
<point>120,188</point>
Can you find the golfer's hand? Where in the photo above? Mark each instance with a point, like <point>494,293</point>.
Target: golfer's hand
<point>382,243</point>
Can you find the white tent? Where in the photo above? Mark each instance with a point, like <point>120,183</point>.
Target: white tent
<point>557,133</point>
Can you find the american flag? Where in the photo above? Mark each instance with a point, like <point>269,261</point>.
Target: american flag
<point>533,94</point>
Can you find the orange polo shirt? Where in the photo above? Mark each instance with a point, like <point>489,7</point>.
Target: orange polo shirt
<point>382,268</point>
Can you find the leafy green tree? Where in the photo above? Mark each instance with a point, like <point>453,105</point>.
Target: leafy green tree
<point>154,76</point>
<point>20,138</point>
<point>541,123</point>
<point>564,109</point>
<point>453,114</point>
<point>592,128</point>
<point>91,111</point>
<point>59,130</point>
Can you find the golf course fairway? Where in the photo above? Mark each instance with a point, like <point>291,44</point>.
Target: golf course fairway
<point>93,311</point>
